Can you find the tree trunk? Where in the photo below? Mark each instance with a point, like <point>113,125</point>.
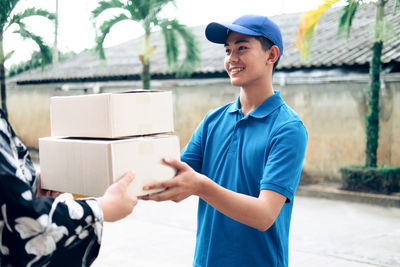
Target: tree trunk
<point>3,90</point>
<point>55,45</point>
<point>145,59</point>
<point>146,76</point>
<point>372,119</point>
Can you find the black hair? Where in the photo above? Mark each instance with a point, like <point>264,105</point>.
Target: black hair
<point>266,44</point>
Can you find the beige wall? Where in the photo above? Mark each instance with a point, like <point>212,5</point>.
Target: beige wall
<point>332,112</point>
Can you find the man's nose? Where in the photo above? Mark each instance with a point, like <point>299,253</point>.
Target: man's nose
<point>233,57</point>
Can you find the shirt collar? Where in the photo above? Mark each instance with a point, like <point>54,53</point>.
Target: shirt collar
<point>235,106</point>
<point>263,110</point>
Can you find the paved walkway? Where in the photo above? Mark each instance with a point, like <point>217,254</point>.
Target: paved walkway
<point>328,233</point>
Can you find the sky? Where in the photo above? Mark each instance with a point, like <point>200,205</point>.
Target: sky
<point>77,27</point>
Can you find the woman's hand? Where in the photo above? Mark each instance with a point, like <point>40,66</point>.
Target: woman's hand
<point>116,202</point>
<point>45,193</point>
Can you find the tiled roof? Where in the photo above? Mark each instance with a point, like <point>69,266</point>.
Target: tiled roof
<point>327,50</point>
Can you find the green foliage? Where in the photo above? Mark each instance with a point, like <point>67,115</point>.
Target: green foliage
<point>34,62</point>
<point>5,10</point>
<point>148,14</point>
<point>7,19</point>
<point>171,41</point>
<point>384,179</point>
<point>104,5</point>
<point>45,51</point>
<point>346,20</point>
<point>171,31</point>
<point>396,5</point>
<point>381,31</point>
<point>368,177</point>
<point>18,17</point>
<point>104,30</point>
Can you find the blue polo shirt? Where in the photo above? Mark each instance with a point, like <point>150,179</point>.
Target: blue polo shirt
<point>246,154</point>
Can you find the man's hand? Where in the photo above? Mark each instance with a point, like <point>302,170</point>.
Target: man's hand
<point>186,182</point>
<point>257,212</point>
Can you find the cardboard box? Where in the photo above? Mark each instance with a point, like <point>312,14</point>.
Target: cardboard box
<point>112,115</point>
<point>88,166</point>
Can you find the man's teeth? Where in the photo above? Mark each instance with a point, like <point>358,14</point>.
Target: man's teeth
<point>234,70</point>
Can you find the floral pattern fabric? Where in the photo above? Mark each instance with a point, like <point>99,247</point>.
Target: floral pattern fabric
<point>41,231</point>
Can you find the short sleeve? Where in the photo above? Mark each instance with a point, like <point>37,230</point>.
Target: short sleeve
<point>285,159</point>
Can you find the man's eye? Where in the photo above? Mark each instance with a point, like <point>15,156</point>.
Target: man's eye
<point>227,51</point>
<point>242,48</point>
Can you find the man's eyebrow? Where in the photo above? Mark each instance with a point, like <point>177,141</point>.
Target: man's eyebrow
<point>238,42</point>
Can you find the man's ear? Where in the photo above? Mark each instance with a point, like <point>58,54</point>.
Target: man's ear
<point>273,54</point>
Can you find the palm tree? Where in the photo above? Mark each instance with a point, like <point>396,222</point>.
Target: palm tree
<point>308,23</point>
<point>147,13</point>
<point>8,19</point>
<point>55,44</point>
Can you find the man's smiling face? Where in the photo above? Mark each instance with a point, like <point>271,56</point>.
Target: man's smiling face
<point>245,60</point>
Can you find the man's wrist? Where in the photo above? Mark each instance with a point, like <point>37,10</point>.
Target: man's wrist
<point>202,183</point>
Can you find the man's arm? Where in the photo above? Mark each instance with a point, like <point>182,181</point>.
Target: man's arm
<point>259,213</point>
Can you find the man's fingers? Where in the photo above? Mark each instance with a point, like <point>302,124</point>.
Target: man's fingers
<point>161,196</point>
<point>179,165</point>
<point>154,186</point>
<point>164,184</point>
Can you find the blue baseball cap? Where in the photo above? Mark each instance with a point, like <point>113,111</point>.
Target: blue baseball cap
<point>252,25</point>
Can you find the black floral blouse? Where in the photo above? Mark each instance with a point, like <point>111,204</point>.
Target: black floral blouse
<point>41,231</point>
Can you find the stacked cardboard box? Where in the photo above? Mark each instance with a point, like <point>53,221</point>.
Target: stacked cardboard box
<point>97,138</point>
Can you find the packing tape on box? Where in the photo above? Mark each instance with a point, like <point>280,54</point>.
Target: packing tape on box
<point>75,196</point>
<point>143,99</point>
<point>146,148</point>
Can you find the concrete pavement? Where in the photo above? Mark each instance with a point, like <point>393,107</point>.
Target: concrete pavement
<point>336,229</point>
<point>328,233</point>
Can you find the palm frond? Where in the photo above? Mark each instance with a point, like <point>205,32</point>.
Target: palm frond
<point>106,5</point>
<point>32,12</point>
<point>346,20</point>
<point>104,30</point>
<point>147,10</point>
<point>157,5</point>
<point>171,44</point>
<point>396,5</point>
<point>307,26</point>
<point>6,7</point>
<point>140,8</point>
<point>8,55</point>
<point>45,51</point>
<point>134,9</point>
<point>192,58</point>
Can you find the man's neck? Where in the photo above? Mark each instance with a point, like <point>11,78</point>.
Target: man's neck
<point>250,99</point>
